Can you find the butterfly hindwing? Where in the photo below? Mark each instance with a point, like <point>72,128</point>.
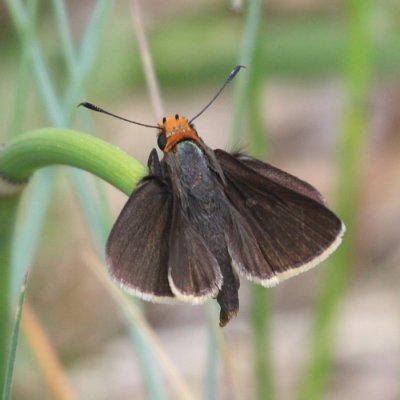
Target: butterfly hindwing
<point>194,273</point>
<point>246,255</point>
<point>293,230</point>
<point>137,248</point>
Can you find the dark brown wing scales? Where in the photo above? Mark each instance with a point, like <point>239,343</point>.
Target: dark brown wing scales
<point>194,273</point>
<point>246,254</point>
<point>137,248</point>
<point>281,177</point>
<point>293,230</point>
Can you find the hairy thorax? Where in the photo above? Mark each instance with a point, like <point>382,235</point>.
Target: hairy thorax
<point>200,191</point>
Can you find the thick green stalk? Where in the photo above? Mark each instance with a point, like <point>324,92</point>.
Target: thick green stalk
<point>40,148</point>
<point>50,146</point>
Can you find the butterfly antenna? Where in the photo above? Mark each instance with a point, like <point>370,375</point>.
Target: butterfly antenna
<point>93,107</point>
<point>228,79</point>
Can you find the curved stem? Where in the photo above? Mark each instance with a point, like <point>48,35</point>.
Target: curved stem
<point>21,157</point>
<point>49,146</point>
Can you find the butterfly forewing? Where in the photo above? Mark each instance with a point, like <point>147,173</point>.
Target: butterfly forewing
<point>294,231</point>
<point>137,248</point>
<point>281,177</point>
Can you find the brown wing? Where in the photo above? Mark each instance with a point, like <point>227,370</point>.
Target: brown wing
<point>293,230</point>
<point>281,177</point>
<point>137,248</point>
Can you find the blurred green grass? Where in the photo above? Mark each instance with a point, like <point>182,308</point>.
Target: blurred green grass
<point>294,46</point>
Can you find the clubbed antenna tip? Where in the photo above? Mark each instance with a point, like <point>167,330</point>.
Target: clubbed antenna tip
<point>93,107</point>
<point>233,73</point>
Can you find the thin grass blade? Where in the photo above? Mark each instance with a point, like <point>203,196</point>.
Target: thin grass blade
<point>61,18</point>
<point>23,78</point>
<point>85,57</point>
<point>358,79</point>
<point>210,376</point>
<point>46,356</point>
<point>14,342</point>
<point>96,220</point>
<point>240,96</point>
<point>151,375</point>
<point>151,80</point>
<point>25,240</point>
<point>247,93</point>
<point>132,312</point>
<point>260,297</point>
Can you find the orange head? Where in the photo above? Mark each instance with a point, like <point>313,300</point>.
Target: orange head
<point>173,130</point>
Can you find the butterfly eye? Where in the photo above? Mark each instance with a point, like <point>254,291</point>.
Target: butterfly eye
<point>162,140</point>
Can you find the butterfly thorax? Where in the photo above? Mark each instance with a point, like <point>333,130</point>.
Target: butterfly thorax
<point>195,181</point>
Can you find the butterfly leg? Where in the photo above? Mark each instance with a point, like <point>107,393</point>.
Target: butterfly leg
<point>153,163</point>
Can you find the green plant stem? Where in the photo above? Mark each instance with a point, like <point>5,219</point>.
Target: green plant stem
<point>213,351</point>
<point>248,90</point>
<point>8,212</point>
<point>60,13</point>
<point>240,98</point>
<point>13,344</point>
<point>27,236</point>
<point>51,146</point>
<point>249,95</point>
<point>40,148</point>
<point>151,378</point>
<point>86,58</point>
<point>151,80</point>
<point>23,78</point>
<point>260,296</point>
<point>357,77</point>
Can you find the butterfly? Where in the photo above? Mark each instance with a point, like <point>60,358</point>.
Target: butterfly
<point>202,218</point>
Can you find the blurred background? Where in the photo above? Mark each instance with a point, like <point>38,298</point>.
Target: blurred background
<point>320,99</point>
